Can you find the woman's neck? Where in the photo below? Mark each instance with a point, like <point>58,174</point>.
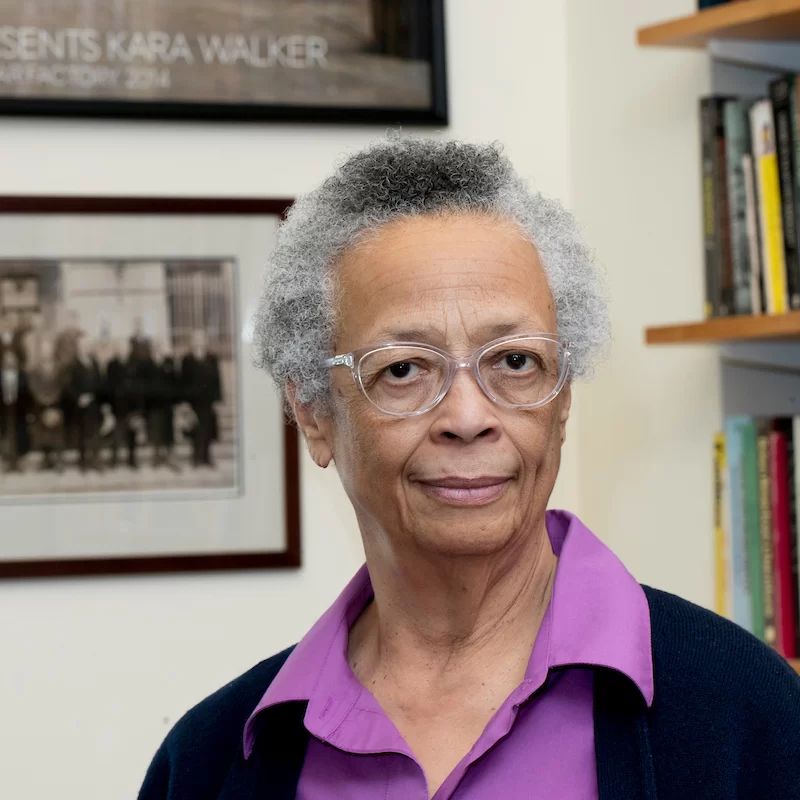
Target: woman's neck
<point>442,622</point>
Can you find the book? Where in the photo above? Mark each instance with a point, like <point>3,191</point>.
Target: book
<point>753,240</point>
<point>716,226</point>
<point>765,529</point>
<point>781,540</point>
<point>782,91</point>
<point>752,523</point>
<point>794,110</point>
<point>720,549</point>
<point>722,210</point>
<point>737,145</point>
<point>765,159</point>
<point>701,4</point>
<point>793,458</point>
<point>741,611</point>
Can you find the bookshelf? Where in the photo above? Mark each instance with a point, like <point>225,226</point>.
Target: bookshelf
<point>767,20</point>
<point>727,329</point>
<point>742,37</point>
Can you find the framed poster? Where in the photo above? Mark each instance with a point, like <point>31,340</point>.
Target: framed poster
<point>317,60</point>
<point>135,433</point>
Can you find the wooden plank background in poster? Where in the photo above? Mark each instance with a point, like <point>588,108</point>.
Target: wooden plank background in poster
<point>290,556</point>
<point>376,84</point>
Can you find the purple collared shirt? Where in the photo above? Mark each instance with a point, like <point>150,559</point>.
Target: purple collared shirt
<point>539,743</point>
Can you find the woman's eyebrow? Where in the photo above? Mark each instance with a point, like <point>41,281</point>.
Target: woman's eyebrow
<point>411,334</point>
<point>484,333</point>
<point>487,333</point>
<point>503,329</point>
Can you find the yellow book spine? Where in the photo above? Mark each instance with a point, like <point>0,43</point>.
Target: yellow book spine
<point>773,225</point>
<point>721,589</point>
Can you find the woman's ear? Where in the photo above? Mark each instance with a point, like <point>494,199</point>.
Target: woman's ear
<point>315,427</point>
<point>566,404</point>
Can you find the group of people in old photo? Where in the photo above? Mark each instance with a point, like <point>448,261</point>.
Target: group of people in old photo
<point>68,400</point>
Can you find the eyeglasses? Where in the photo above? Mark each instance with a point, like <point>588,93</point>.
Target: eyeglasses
<point>406,379</point>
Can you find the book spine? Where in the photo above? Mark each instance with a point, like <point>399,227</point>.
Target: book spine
<point>793,458</point>
<point>720,557</point>
<point>765,528</point>
<point>752,520</point>
<point>794,111</point>
<point>741,601</point>
<point>722,210</point>
<point>781,92</point>
<point>753,236</point>
<point>725,565</point>
<point>781,532</point>
<point>769,206</point>
<point>708,131</point>
<point>737,143</point>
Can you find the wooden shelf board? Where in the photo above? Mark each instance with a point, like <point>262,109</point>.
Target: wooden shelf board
<point>777,326</point>
<point>767,20</point>
<point>795,664</point>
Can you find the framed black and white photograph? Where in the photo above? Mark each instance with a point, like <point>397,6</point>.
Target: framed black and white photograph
<point>334,60</point>
<point>130,411</point>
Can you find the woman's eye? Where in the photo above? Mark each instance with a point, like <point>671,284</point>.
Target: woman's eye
<point>518,362</point>
<point>403,369</point>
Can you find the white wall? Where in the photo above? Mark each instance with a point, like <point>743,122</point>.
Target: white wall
<point>95,671</point>
<point>647,420</point>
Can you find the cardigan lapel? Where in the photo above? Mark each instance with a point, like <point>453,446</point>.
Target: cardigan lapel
<point>621,740</point>
<point>273,769</point>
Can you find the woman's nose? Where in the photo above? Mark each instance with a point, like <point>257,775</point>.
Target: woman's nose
<point>465,412</point>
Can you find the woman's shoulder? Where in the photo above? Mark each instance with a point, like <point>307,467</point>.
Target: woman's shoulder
<point>199,750</point>
<point>234,701</point>
<point>726,708</point>
<point>695,649</point>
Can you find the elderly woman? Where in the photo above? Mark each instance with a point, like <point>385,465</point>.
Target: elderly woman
<point>425,315</point>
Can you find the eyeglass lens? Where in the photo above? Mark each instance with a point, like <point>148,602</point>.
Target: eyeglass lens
<point>404,380</point>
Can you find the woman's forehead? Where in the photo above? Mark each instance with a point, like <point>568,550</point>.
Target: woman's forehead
<point>457,273</point>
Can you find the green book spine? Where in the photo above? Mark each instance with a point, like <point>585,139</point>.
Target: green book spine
<point>752,524</point>
<point>712,133</point>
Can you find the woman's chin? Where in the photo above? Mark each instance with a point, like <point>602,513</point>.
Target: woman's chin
<point>449,539</point>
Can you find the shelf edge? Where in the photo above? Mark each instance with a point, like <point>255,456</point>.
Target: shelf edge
<point>694,30</point>
<point>736,328</point>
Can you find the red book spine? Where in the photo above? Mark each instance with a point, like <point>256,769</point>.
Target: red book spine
<point>782,544</point>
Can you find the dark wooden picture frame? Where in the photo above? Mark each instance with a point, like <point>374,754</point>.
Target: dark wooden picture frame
<point>56,70</point>
<point>290,556</point>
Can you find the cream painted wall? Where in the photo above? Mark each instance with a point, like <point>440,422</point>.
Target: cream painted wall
<point>647,420</point>
<point>94,672</point>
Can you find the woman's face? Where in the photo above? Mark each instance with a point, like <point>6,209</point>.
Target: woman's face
<point>454,282</point>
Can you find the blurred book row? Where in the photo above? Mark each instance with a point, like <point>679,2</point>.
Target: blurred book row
<point>757,483</point>
<point>751,191</point>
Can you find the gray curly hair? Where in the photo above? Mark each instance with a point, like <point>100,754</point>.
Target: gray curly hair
<point>406,177</point>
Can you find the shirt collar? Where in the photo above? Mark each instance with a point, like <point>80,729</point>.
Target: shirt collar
<point>599,613</point>
<point>321,653</point>
<point>598,616</point>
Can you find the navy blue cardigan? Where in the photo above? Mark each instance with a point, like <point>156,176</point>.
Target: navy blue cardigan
<point>724,725</point>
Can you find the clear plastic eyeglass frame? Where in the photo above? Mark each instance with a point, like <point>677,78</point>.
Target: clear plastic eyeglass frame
<point>353,361</point>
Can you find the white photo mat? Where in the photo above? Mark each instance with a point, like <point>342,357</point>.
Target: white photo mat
<point>194,522</point>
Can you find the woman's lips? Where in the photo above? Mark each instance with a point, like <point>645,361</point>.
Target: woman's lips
<point>466,491</point>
